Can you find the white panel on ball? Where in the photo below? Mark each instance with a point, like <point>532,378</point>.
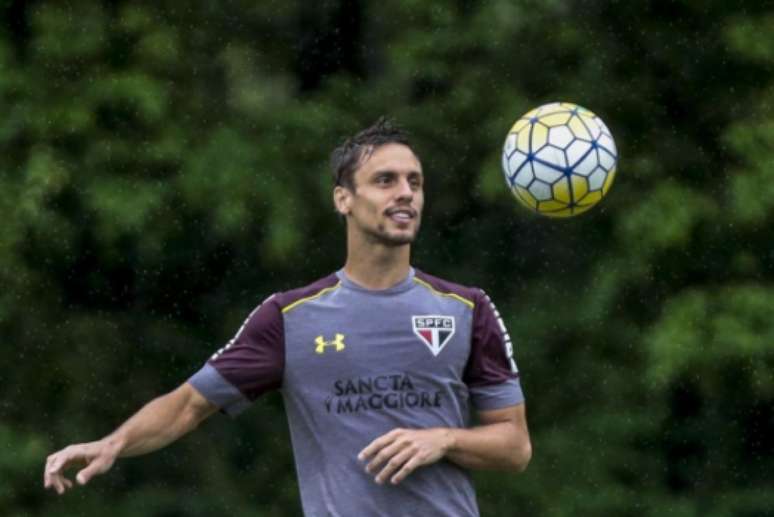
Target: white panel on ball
<point>510,144</point>
<point>606,160</point>
<point>607,142</point>
<point>587,165</point>
<point>576,151</point>
<point>541,191</point>
<point>597,179</point>
<point>596,128</point>
<point>506,169</point>
<point>552,155</point>
<point>525,176</point>
<point>546,173</point>
<point>560,136</point>
<point>516,160</point>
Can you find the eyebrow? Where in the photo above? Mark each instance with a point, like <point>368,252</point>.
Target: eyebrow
<point>392,171</point>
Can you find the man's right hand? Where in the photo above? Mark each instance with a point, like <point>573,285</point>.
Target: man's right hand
<point>159,423</point>
<point>96,458</point>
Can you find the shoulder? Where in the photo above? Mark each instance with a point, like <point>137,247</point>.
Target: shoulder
<point>265,321</point>
<point>470,296</point>
<point>287,300</point>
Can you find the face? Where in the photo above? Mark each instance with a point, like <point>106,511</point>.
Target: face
<point>386,205</point>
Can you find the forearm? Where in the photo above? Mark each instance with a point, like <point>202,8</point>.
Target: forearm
<point>492,446</point>
<point>500,442</point>
<point>157,424</point>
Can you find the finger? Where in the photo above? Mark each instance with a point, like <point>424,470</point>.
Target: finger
<point>53,476</point>
<point>378,444</point>
<point>48,482</point>
<point>50,476</point>
<point>60,482</point>
<point>57,484</point>
<point>407,469</point>
<point>94,468</point>
<point>61,459</point>
<point>46,476</point>
<point>384,455</point>
<point>74,455</point>
<point>395,463</point>
<point>375,446</point>
<point>52,463</point>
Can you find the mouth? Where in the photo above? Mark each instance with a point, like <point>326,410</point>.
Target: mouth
<point>401,215</point>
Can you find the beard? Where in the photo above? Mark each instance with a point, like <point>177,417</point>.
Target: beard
<point>380,235</point>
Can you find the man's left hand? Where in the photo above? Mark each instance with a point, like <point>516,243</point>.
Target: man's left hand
<point>399,452</point>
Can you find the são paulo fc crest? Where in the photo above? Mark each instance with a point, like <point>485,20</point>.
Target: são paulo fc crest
<point>433,331</point>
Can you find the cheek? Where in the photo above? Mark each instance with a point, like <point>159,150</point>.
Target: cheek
<point>366,209</point>
<point>420,201</point>
<point>372,207</point>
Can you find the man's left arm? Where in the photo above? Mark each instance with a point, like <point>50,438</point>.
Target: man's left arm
<point>501,441</point>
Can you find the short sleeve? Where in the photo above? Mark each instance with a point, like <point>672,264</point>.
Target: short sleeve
<point>251,364</point>
<point>491,373</point>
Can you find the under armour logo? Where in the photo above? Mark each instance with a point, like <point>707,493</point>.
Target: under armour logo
<point>338,342</point>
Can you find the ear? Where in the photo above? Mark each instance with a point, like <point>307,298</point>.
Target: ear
<point>342,199</point>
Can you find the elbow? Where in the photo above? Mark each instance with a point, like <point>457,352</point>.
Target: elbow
<point>189,421</point>
<point>521,456</point>
<point>192,417</point>
<point>195,408</point>
<point>193,414</point>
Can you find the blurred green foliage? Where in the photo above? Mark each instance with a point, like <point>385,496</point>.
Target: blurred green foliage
<point>164,169</point>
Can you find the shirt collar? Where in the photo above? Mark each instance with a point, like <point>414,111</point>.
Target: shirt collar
<point>404,285</point>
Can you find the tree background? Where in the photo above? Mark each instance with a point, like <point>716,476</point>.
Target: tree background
<point>164,168</point>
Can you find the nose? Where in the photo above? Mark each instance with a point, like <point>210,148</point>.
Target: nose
<point>405,191</point>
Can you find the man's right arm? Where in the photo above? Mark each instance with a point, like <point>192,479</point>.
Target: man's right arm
<point>157,424</point>
<point>249,365</point>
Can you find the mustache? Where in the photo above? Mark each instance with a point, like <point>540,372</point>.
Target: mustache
<point>411,211</point>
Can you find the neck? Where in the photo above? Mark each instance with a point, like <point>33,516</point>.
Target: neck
<point>376,266</point>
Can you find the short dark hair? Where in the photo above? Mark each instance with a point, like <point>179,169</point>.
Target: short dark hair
<point>347,157</point>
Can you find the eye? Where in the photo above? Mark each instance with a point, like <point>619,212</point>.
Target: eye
<point>384,179</point>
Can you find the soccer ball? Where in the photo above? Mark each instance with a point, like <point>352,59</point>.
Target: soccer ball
<point>559,159</point>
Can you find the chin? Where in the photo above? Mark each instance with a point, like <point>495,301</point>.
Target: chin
<point>390,237</point>
<point>395,239</point>
<point>402,241</point>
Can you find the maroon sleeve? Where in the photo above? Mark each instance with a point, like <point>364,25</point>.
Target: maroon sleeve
<point>491,355</point>
<point>254,360</point>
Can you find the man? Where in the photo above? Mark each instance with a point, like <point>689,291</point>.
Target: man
<point>378,363</point>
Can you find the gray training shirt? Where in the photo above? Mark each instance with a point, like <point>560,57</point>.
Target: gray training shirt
<point>353,364</point>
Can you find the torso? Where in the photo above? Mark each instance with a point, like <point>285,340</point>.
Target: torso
<point>360,363</point>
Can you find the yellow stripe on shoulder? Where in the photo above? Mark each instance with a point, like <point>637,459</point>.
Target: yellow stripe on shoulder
<point>433,290</point>
<point>310,298</point>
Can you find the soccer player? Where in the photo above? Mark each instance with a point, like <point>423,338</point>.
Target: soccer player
<point>379,364</point>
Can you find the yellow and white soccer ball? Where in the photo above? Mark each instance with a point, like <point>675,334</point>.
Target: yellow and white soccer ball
<point>559,159</point>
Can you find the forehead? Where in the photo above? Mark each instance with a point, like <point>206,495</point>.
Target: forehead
<point>390,157</point>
